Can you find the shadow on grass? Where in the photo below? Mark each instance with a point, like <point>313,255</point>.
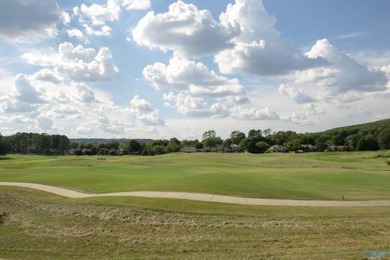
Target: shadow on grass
<point>5,158</point>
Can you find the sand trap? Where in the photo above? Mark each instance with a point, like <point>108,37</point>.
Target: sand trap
<point>203,197</point>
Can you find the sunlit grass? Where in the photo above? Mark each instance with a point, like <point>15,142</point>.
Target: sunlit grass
<point>330,176</point>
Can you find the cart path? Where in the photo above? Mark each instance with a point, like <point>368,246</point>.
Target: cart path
<point>202,197</point>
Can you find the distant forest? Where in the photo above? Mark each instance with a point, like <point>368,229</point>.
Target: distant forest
<point>364,137</point>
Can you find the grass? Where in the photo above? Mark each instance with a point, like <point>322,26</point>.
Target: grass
<point>38,225</point>
<point>322,176</point>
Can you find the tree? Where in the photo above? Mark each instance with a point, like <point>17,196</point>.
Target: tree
<point>209,134</point>
<point>367,143</point>
<point>293,145</point>
<point>255,134</point>
<point>3,145</point>
<point>236,137</point>
<point>322,142</point>
<point>262,147</point>
<point>384,139</point>
<point>131,147</point>
<point>173,145</point>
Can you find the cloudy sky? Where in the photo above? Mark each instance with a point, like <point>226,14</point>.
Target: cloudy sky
<point>163,68</point>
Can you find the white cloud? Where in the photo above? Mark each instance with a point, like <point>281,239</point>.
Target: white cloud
<point>77,62</point>
<point>48,75</point>
<point>194,77</point>
<point>144,112</point>
<point>252,18</point>
<point>136,4</point>
<point>194,106</point>
<point>264,58</point>
<point>102,31</point>
<point>85,94</point>
<point>98,14</point>
<point>254,113</point>
<point>24,98</point>
<point>259,49</point>
<point>303,117</point>
<point>20,17</point>
<point>25,91</point>
<point>343,74</point>
<point>295,94</point>
<point>76,33</point>
<point>183,29</point>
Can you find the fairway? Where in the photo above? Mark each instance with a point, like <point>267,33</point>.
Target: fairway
<point>311,176</point>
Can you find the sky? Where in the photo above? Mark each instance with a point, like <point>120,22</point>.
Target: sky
<point>163,68</point>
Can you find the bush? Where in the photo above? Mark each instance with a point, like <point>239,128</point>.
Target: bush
<point>78,152</point>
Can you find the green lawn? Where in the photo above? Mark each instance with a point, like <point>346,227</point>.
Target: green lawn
<point>329,176</point>
<point>39,225</point>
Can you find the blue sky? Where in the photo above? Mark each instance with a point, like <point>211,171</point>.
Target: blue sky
<point>162,69</point>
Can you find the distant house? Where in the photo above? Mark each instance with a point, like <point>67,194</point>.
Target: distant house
<point>189,149</point>
<point>337,148</point>
<point>220,149</point>
<point>235,148</point>
<point>277,149</point>
<point>308,148</point>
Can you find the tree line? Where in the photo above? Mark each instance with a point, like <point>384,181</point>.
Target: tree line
<point>364,137</point>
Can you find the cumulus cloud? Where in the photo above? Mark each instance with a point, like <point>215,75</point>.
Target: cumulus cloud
<point>343,74</point>
<point>136,4</point>
<point>25,91</point>
<point>253,20</point>
<point>19,17</point>
<point>24,98</point>
<point>85,94</point>
<point>184,29</point>
<point>254,113</point>
<point>144,112</point>
<point>77,62</point>
<point>194,106</point>
<point>48,75</point>
<point>295,94</point>
<point>194,77</point>
<point>302,117</point>
<point>76,33</point>
<point>264,58</point>
<point>259,49</point>
<point>98,14</point>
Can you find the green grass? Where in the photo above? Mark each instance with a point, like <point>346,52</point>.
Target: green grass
<point>328,176</point>
<point>36,225</point>
<point>39,225</point>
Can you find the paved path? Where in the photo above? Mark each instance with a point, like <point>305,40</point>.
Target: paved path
<point>203,197</point>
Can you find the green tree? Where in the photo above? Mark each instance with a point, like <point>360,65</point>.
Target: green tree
<point>384,139</point>
<point>262,146</point>
<point>293,145</point>
<point>131,147</point>
<point>172,146</point>
<point>236,137</point>
<point>3,145</point>
<point>209,134</point>
<point>367,143</point>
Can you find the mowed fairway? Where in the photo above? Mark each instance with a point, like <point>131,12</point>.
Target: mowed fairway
<point>315,176</point>
<point>40,225</point>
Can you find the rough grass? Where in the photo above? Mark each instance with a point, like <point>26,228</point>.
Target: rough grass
<point>324,176</point>
<point>36,225</point>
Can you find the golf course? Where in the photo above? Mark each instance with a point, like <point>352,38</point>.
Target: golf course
<point>106,223</point>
